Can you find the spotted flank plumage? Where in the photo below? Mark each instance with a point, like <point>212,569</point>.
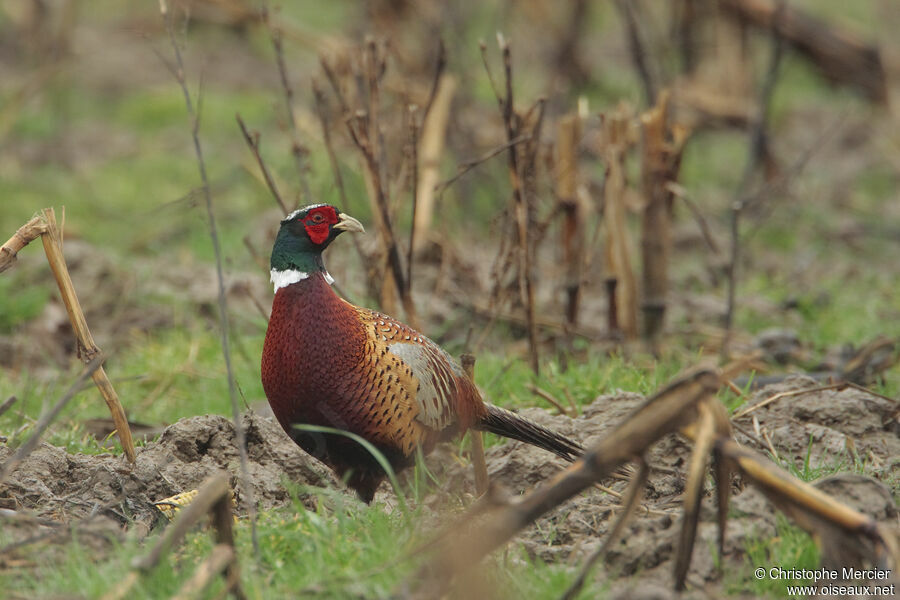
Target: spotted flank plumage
<point>430,375</point>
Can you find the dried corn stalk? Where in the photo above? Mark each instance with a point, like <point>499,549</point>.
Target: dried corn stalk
<point>45,226</point>
<point>620,281</point>
<point>661,158</point>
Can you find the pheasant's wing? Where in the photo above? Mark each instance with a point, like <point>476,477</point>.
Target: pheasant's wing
<point>436,384</point>
<point>434,381</point>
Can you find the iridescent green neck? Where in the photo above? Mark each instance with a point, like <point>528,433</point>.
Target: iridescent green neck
<point>295,253</point>
<point>294,259</point>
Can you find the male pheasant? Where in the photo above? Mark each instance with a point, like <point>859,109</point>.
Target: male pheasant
<point>326,362</point>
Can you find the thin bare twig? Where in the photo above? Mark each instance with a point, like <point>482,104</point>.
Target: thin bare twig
<point>438,71</point>
<point>638,54</point>
<point>512,124</point>
<point>240,436</point>
<point>680,191</point>
<point>632,500</point>
<point>487,69</point>
<point>414,166</point>
<point>335,85</point>
<point>253,142</point>
<point>7,404</point>
<point>321,111</point>
<point>319,98</point>
<point>542,393</point>
<point>374,64</point>
<point>298,151</point>
<point>381,203</point>
<point>758,143</point>
<point>465,167</point>
<point>774,398</point>
<point>364,132</point>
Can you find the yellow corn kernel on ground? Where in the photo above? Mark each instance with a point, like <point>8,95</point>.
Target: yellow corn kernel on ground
<point>171,505</point>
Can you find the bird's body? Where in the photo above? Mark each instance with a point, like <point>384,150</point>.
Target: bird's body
<point>326,362</point>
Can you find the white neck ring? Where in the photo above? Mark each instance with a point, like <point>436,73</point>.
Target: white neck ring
<point>287,277</point>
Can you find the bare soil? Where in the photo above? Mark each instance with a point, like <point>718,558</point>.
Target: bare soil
<point>106,496</point>
<point>54,485</point>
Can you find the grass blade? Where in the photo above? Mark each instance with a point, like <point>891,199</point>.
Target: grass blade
<point>380,458</point>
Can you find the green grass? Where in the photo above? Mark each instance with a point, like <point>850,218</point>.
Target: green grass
<point>340,550</point>
<point>506,380</point>
<point>790,548</point>
<point>19,302</point>
<point>337,551</point>
<point>162,377</point>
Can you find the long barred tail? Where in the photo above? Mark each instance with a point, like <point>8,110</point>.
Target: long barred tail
<point>509,424</point>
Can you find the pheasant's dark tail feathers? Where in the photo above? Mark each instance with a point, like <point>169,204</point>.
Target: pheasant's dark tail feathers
<point>509,424</point>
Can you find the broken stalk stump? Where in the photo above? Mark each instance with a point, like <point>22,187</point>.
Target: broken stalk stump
<point>661,158</point>
<point>86,349</point>
<point>44,226</point>
<point>573,230</point>
<point>478,463</point>
<point>617,264</point>
<point>21,238</point>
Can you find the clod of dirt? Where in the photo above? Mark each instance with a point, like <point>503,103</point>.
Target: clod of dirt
<point>644,591</point>
<point>69,487</point>
<point>868,496</point>
<point>842,426</point>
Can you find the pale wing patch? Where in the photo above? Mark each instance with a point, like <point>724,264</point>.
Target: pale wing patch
<point>436,387</point>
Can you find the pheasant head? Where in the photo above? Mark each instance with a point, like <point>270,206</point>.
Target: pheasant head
<point>302,237</point>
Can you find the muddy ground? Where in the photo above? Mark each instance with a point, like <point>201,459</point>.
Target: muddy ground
<point>102,496</point>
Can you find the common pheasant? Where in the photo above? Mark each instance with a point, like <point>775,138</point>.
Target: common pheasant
<point>327,362</point>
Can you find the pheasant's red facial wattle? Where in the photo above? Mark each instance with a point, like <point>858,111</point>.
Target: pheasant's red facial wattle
<point>318,223</point>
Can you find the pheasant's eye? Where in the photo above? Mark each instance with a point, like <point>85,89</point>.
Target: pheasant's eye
<point>318,218</point>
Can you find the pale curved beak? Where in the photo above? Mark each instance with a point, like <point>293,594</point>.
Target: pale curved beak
<point>348,223</point>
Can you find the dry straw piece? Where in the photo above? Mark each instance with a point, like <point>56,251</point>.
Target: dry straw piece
<point>45,226</point>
